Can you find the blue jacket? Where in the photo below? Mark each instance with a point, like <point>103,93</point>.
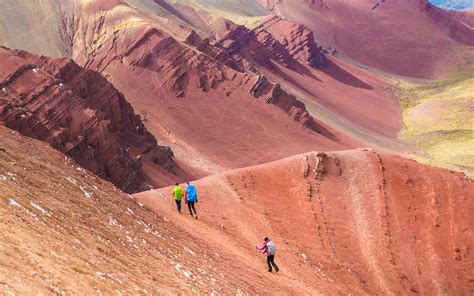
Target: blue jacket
<point>191,194</point>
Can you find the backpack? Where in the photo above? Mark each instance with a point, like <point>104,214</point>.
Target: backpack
<point>178,193</point>
<point>191,194</point>
<point>271,248</point>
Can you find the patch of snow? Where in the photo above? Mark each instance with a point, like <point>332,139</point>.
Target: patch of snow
<point>189,251</point>
<point>114,222</point>
<point>303,257</point>
<point>180,269</point>
<point>71,179</point>
<point>114,277</point>
<point>31,213</point>
<point>129,211</point>
<point>23,115</point>
<point>3,178</point>
<point>240,292</point>
<point>140,204</point>
<point>13,203</point>
<point>4,89</point>
<point>201,270</point>
<point>86,194</point>
<point>324,276</point>
<point>36,70</point>
<point>12,176</point>
<point>43,211</point>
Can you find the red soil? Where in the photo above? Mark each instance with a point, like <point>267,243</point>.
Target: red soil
<point>466,16</point>
<point>65,231</point>
<point>81,114</point>
<point>411,38</point>
<point>195,100</point>
<point>287,53</point>
<point>353,222</point>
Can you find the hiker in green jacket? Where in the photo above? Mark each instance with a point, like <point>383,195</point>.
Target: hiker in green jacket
<point>177,194</point>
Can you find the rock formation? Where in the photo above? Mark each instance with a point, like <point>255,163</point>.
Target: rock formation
<point>79,113</point>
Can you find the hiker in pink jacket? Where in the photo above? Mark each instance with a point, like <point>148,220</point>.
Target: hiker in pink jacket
<point>269,249</point>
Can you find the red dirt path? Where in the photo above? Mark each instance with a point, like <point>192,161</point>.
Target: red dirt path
<point>347,222</point>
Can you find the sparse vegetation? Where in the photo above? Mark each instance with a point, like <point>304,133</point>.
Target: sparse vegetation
<point>439,119</point>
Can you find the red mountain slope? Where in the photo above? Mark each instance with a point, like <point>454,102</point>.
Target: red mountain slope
<point>65,231</point>
<point>81,114</point>
<point>348,97</point>
<point>351,222</point>
<point>212,115</point>
<point>410,38</point>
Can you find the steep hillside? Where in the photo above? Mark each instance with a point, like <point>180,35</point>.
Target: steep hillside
<point>347,97</point>
<point>42,27</point>
<point>351,222</point>
<point>409,38</point>
<point>439,119</point>
<point>81,114</point>
<point>212,114</point>
<point>63,230</point>
<point>275,40</point>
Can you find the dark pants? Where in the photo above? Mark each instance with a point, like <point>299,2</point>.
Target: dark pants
<point>191,208</point>
<point>270,262</point>
<point>178,205</point>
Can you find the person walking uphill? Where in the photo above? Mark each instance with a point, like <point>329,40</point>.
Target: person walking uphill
<point>269,249</point>
<point>191,198</point>
<point>178,195</point>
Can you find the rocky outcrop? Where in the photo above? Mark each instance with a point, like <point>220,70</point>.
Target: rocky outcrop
<point>150,51</point>
<point>349,27</point>
<point>80,114</point>
<point>55,211</point>
<point>373,222</point>
<point>274,40</point>
<point>297,40</point>
<point>275,95</point>
<point>221,55</point>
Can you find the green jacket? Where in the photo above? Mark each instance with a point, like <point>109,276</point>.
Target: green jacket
<point>178,193</point>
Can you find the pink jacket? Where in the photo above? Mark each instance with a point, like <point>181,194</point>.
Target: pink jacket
<point>265,248</point>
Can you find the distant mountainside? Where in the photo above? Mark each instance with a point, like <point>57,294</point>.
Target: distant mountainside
<point>454,4</point>
<point>263,105</point>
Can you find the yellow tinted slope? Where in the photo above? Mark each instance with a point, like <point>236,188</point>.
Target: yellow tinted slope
<point>439,119</point>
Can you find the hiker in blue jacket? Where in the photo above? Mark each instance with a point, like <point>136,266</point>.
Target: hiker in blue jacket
<point>191,198</point>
